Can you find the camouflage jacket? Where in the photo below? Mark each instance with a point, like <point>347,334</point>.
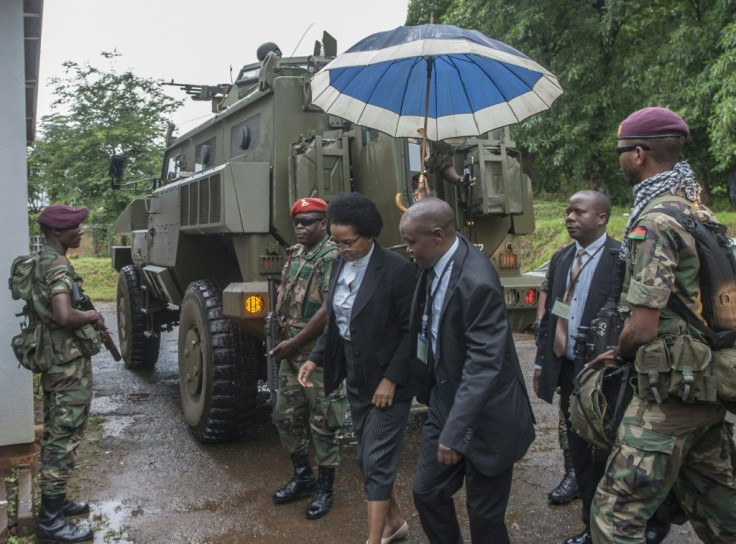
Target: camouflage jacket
<point>661,260</point>
<point>55,275</point>
<point>304,280</point>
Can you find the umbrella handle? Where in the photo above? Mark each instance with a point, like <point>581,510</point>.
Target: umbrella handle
<point>399,204</point>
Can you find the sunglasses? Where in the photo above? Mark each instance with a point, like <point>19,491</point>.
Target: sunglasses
<point>627,148</point>
<point>305,221</point>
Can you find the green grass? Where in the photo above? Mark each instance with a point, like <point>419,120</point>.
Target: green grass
<point>100,279</point>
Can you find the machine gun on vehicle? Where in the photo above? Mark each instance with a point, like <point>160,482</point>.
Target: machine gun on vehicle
<point>83,302</point>
<point>211,93</point>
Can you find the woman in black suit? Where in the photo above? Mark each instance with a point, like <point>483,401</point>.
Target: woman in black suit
<point>366,343</point>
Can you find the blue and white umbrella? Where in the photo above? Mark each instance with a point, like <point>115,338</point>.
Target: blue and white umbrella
<point>449,81</point>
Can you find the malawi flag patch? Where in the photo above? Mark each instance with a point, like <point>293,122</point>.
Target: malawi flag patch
<point>639,233</point>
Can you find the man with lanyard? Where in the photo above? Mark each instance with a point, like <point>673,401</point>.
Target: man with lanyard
<point>668,445</point>
<point>579,282</point>
<point>466,370</point>
<point>302,316</point>
<point>67,385</point>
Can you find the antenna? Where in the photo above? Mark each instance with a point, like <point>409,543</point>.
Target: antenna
<point>300,39</point>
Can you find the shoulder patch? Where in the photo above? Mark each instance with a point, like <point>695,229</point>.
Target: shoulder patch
<point>639,233</point>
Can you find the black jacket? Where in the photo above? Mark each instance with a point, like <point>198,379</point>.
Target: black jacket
<point>379,327</point>
<point>476,395</point>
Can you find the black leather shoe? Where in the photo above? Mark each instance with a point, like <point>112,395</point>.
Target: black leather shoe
<point>72,508</point>
<point>302,484</point>
<point>566,491</point>
<point>322,499</point>
<point>52,526</point>
<point>656,531</point>
<point>582,538</point>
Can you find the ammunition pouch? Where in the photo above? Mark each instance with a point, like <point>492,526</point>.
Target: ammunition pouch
<point>598,403</point>
<point>675,367</point>
<point>89,340</point>
<point>724,368</point>
<point>33,349</point>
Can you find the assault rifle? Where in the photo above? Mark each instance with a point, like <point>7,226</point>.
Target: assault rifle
<point>83,302</point>
<point>271,342</point>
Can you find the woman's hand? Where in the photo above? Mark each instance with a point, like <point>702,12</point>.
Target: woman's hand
<point>384,396</point>
<point>305,372</point>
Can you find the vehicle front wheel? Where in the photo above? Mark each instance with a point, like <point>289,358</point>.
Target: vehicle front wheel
<point>214,397</point>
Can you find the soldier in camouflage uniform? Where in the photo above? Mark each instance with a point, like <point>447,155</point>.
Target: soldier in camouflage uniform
<point>67,385</point>
<point>302,315</point>
<point>686,447</point>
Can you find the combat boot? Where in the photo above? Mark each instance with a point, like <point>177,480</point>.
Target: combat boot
<point>53,528</point>
<point>302,484</point>
<point>72,508</point>
<point>567,489</point>
<point>322,498</point>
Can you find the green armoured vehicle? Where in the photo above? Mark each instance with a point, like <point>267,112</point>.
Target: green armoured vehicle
<point>205,241</point>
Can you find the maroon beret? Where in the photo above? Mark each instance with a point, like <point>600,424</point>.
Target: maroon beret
<point>61,216</point>
<point>652,122</point>
<point>306,205</point>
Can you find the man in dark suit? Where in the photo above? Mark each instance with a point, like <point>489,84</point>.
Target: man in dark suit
<point>480,420</point>
<point>576,289</point>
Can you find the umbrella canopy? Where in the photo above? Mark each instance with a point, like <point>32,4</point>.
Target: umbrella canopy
<point>456,81</point>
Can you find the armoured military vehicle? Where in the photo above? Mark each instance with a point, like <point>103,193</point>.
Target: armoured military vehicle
<point>204,242</point>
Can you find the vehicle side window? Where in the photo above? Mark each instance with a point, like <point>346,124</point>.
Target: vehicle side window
<point>204,154</point>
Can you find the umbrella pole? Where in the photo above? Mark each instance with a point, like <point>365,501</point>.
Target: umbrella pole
<point>423,186</point>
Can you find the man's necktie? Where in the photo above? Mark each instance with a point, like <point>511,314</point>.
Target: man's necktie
<point>560,343</point>
<point>428,311</point>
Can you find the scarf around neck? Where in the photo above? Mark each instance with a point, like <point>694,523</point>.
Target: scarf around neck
<point>680,177</point>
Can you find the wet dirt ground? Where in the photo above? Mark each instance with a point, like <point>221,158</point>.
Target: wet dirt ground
<point>149,481</point>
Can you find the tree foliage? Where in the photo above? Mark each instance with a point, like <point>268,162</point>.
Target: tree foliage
<point>611,58</point>
<point>98,112</point>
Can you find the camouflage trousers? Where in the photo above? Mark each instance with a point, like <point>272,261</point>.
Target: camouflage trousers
<point>684,447</point>
<point>300,407</point>
<point>67,398</point>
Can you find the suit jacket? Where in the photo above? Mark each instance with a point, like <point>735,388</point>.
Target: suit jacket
<point>379,327</point>
<point>478,404</point>
<point>601,287</point>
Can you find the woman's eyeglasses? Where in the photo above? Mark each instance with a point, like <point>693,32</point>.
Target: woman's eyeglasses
<point>344,245</point>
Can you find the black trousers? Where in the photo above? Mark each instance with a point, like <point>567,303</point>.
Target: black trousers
<point>435,484</point>
<point>589,462</point>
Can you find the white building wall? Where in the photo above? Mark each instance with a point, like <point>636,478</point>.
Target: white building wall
<point>16,395</point>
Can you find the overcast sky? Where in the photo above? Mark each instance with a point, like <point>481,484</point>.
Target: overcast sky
<point>197,41</point>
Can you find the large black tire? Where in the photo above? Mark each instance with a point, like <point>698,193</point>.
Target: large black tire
<point>139,351</point>
<point>217,394</point>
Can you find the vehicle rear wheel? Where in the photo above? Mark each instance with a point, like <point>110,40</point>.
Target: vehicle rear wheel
<point>217,393</point>
<point>139,351</point>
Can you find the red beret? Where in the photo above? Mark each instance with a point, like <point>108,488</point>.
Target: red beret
<point>61,216</point>
<point>306,205</point>
<point>652,122</point>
